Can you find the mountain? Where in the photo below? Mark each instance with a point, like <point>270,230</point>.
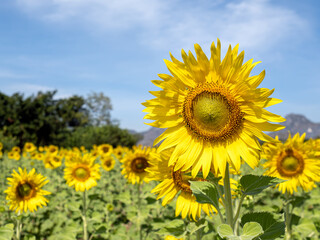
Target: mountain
<point>150,135</point>
<point>295,123</point>
<point>298,123</point>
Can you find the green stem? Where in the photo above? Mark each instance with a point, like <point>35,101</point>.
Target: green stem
<point>139,211</point>
<point>228,197</point>
<point>223,201</point>
<point>288,218</point>
<point>18,227</point>
<point>238,210</point>
<point>84,216</point>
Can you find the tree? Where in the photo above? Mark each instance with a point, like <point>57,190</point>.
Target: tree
<point>99,107</point>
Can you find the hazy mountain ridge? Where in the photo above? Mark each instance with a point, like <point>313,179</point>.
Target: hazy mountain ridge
<point>295,123</point>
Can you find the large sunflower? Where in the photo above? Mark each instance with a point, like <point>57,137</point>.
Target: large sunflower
<point>82,172</point>
<point>24,192</point>
<point>296,161</point>
<point>135,162</point>
<point>176,183</point>
<point>213,111</point>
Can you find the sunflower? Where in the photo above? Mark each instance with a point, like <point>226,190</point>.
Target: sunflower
<point>105,149</point>
<point>135,162</point>
<point>29,147</point>
<point>107,162</point>
<point>170,237</point>
<point>81,172</point>
<point>296,161</point>
<point>213,111</point>
<point>52,149</point>
<point>52,161</point>
<point>176,183</point>
<point>24,192</point>
<point>14,155</point>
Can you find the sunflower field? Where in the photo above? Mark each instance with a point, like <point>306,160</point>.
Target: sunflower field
<point>208,176</point>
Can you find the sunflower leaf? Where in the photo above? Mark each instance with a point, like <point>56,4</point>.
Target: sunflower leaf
<point>252,184</point>
<point>211,177</point>
<point>175,227</point>
<point>6,232</point>
<point>251,230</point>
<point>272,228</point>
<point>205,192</point>
<point>225,231</point>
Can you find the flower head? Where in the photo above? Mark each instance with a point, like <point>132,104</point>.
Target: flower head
<point>213,111</point>
<point>135,162</point>
<point>176,183</point>
<point>82,172</point>
<point>107,162</point>
<point>296,161</point>
<point>24,192</point>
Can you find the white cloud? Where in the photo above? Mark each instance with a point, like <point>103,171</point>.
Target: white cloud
<point>173,24</point>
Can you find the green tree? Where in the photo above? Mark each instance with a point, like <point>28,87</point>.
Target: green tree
<point>99,107</point>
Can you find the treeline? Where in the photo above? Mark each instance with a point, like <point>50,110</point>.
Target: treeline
<point>66,122</point>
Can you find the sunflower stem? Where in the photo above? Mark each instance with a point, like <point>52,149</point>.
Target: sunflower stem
<point>139,211</point>
<point>238,210</point>
<point>288,217</point>
<point>84,216</point>
<point>228,198</point>
<point>18,227</point>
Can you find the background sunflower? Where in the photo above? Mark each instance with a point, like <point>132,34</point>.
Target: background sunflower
<point>24,192</point>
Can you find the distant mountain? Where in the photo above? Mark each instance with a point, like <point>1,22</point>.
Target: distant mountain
<point>295,123</point>
<point>298,123</point>
<point>150,135</point>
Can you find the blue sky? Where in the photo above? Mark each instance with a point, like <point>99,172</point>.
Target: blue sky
<point>118,46</point>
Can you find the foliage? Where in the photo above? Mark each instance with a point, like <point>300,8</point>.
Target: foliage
<point>99,107</point>
<point>74,121</point>
<point>90,135</point>
<point>40,118</point>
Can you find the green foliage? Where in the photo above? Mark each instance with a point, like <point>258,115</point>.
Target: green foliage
<point>40,119</point>
<point>272,228</point>
<point>205,192</point>
<point>90,135</point>
<point>99,107</point>
<point>44,120</point>
<point>8,141</point>
<point>250,231</point>
<point>6,232</point>
<point>253,185</point>
<point>175,227</point>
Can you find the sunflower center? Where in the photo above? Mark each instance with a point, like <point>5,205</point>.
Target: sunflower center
<point>107,163</point>
<point>81,173</point>
<point>139,164</point>
<point>212,113</point>
<point>290,163</point>
<point>105,149</point>
<point>180,182</point>
<point>25,190</point>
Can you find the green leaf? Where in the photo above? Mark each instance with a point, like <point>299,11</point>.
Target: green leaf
<point>6,232</point>
<point>225,231</point>
<point>251,230</point>
<point>205,192</point>
<point>272,228</point>
<point>252,184</point>
<point>298,201</point>
<point>295,219</point>
<point>175,227</point>
<point>211,177</point>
